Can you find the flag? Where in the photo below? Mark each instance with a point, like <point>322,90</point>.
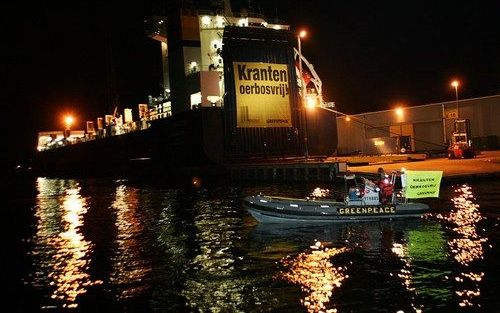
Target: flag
<point>423,184</point>
<point>306,76</point>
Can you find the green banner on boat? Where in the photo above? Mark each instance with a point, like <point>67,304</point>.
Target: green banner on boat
<point>423,184</point>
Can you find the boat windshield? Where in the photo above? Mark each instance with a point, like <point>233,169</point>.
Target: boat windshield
<point>352,183</point>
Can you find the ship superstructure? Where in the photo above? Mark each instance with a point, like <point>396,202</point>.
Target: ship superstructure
<point>229,80</point>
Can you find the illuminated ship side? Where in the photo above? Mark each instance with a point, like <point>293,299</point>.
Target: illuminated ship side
<point>231,94</point>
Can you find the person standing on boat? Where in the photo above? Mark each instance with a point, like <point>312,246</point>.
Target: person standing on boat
<point>384,185</point>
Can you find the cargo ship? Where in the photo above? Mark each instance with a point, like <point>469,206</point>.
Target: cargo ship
<point>235,90</point>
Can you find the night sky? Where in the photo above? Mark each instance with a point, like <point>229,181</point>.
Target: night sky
<point>369,54</point>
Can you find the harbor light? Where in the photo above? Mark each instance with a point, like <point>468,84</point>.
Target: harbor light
<point>68,121</point>
<point>303,89</point>
<point>455,85</point>
<point>399,112</point>
<point>347,118</point>
<point>310,102</point>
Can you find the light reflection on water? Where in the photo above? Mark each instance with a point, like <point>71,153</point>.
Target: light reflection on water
<point>467,245</point>
<point>215,283</point>
<point>61,251</point>
<point>177,250</point>
<point>316,274</point>
<point>129,266</point>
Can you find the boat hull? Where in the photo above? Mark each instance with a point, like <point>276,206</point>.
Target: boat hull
<point>286,210</point>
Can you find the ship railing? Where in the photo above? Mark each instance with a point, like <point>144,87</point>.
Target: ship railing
<point>108,131</point>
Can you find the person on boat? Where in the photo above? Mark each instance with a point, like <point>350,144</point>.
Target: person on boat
<point>385,186</point>
<point>381,174</point>
<point>353,188</point>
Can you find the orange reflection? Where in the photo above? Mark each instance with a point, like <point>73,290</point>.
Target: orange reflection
<point>129,267</point>
<point>317,276</point>
<point>468,247</point>
<point>63,250</point>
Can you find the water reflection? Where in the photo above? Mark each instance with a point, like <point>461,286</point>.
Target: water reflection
<point>317,275</point>
<point>405,273</point>
<point>424,253</point>
<point>215,284</point>
<point>397,260</point>
<point>129,266</point>
<point>467,244</point>
<point>61,253</point>
<point>177,250</point>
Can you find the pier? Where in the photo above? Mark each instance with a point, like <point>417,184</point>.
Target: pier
<point>287,171</point>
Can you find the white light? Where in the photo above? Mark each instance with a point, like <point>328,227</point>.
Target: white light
<point>262,200</point>
<point>216,43</point>
<point>220,21</point>
<point>264,24</point>
<point>205,20</point>
<point>276,27</point>
<point>196,98</point>
<point>294,205</point>
<point>243,22</point>
<point>325,206</point>
<point>193,64</point>
<point>213,99</point>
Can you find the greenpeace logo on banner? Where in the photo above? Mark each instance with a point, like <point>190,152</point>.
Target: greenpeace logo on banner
<point>262,94</point>
<point>423,184</point>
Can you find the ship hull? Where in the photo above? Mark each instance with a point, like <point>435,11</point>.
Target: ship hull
<point>174,145</point>
<point>289,210</point>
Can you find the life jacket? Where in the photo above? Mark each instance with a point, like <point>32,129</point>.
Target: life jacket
<point>386,187</point>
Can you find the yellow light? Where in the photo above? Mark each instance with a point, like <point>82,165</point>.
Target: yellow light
<point>302,33</point>
<point>399,112</point>
<point>347,119</point>
<point>68,120</point>
<point>311,102</point>
<point>455,83</point>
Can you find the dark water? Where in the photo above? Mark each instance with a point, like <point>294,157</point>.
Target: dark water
<point>108,245</point>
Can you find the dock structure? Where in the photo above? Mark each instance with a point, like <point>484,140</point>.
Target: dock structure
<point>373,159</point>
<point>280,172</point>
